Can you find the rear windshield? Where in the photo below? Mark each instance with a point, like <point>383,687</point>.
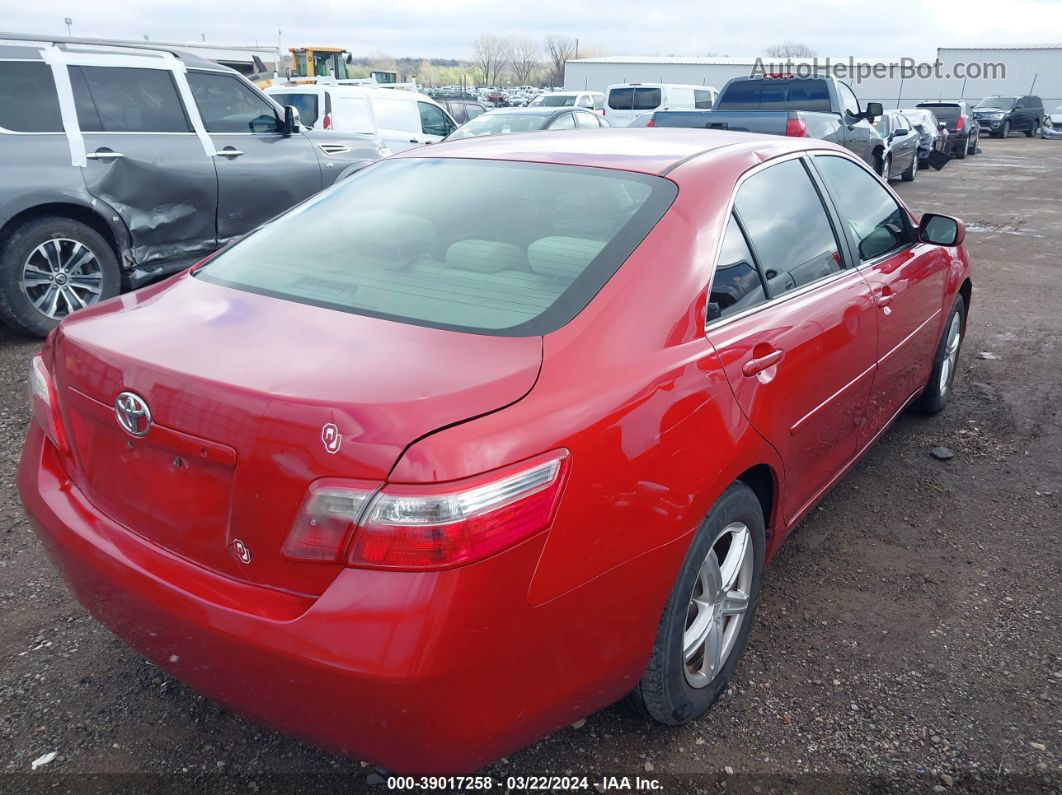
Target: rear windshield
<point>945,113</point>
<point>502,124</point>
<point>555,101</point>
<point>305,104</point>
<point>492,247</point>
<point>634,98</point>
<point>810,95</point>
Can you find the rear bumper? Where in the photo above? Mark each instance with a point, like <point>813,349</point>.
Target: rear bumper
<point>438,672</point>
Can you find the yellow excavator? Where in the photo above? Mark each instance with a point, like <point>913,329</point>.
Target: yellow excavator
<point>310,63</point>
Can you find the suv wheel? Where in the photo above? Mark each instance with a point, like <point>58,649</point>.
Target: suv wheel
<point>51,267</point>
<point>1006,129</point>
<point>962,147</point>
<point>973,143</point>
<point>1034,130</point>
<point>708,617</point>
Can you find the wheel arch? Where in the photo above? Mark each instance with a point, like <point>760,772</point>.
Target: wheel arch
<point>76,212</point>
<point>763,482</point>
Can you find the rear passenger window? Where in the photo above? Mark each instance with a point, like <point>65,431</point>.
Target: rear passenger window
<point>586,120</point>
<point>433,121</point>
<point>702,100</point>
<point>788,226</point>
<point>874,219</point>
<point>736,284</point>
<point>28,102</point>
<point>472,111</point>
<point>120,99</point>
<point>563,122</point>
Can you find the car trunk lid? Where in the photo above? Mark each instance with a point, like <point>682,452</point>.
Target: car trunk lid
<point>251,399</point>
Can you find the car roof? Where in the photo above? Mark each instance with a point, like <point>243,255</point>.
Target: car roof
<point>29,46</point>
<point>647,151</point>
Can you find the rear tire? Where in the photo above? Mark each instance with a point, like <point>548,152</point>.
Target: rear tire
<point>945,362</point>
<point>973,143</point>
<point>78,261</point>
<point>678,687</point>
<point>960,150</point>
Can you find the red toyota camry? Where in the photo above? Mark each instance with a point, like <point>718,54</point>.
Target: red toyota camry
<point>491,435</point>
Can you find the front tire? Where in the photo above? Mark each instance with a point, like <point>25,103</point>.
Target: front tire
<point>945,362</point>
<point>911,171</point>
<point>708,617</point>
<point>51,267</point>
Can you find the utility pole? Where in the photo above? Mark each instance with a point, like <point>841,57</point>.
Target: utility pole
<point>577,48</point>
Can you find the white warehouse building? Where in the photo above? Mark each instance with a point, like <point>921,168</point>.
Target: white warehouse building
<point>1035,69</point>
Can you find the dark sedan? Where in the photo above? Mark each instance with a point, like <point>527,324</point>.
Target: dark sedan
<point>504,121</point>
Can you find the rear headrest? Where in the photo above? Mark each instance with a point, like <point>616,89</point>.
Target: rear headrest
<point>565,257</point>
<point>485,256</point>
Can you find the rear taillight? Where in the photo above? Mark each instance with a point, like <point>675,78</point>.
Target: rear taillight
<point>960,124</point>
<point>431,526</point>
<point>796,128</point>
<point>327,124</point>
<point>44,403</point>
<point>651,122</point>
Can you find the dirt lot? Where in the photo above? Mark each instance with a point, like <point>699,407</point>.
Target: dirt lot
<point>909,632</point>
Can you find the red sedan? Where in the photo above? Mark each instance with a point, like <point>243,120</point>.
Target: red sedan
<point>491,435</point>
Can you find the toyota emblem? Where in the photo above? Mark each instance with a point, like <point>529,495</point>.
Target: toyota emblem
<point>132,413</point>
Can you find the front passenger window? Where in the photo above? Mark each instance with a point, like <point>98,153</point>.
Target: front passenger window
<point>433,121</point>
<point>788,228</point>
<point>872,216</point>
<point>227,105</point>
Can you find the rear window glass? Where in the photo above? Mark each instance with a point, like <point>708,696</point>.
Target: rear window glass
<point>946,113</point>
<point>28,102</point>
<point>502,124</point>
<point>515,249</point>
<point>556,100</point>
<point>305,104</point>
<point>810,95</point>
<point>634,98</point>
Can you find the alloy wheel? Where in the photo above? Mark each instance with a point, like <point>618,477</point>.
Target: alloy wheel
<point>61,276</point>
<point>951,354</point>
<point>718,604</point>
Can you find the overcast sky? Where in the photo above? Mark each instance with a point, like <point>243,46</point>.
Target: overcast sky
<point>446,28</point>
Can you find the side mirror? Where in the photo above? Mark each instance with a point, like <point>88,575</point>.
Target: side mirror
<point>713,311</point>
<point>292,124</point>
<point>941,230</point>
<point>350,59</point>
<point>900,133</point>
<point>873,111</point>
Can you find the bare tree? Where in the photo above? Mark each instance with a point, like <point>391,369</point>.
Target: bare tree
<point>790,49</point>
<point>526,58</point>
<point>491,55</point>
<point>559,49</point>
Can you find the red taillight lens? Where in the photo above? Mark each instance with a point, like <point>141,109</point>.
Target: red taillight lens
<point>796,128</point>
<point>651,122</point>
<point>327,124</point>
<point>44,403</point>
<point>418,527</point>
<point>960,124</point>
<point>431,526</point>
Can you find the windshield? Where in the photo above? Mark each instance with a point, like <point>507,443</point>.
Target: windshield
<point>554,100</point>
<point>501,124</point>
<point>1000,103</point>
<point>487,246</point>
<point>305,104</point>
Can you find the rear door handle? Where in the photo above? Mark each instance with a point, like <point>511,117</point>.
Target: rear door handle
<point>228,151</point>
<point>754,367</point>
<point>883,299</point>
<point>104,154</point>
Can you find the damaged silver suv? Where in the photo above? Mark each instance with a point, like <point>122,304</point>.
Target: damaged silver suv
<point>124,164</point>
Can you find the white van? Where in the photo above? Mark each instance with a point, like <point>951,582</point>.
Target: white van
<point>402,119</point>
<point>627,100</point>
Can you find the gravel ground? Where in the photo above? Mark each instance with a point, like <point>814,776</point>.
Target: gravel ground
<point>908,636</point>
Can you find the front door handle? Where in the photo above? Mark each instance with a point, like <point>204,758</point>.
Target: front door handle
<point>756,366</point>
<point>884,298</point>
<point>414,141</point>
<point>228,151</point>
<point>104,154</point>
